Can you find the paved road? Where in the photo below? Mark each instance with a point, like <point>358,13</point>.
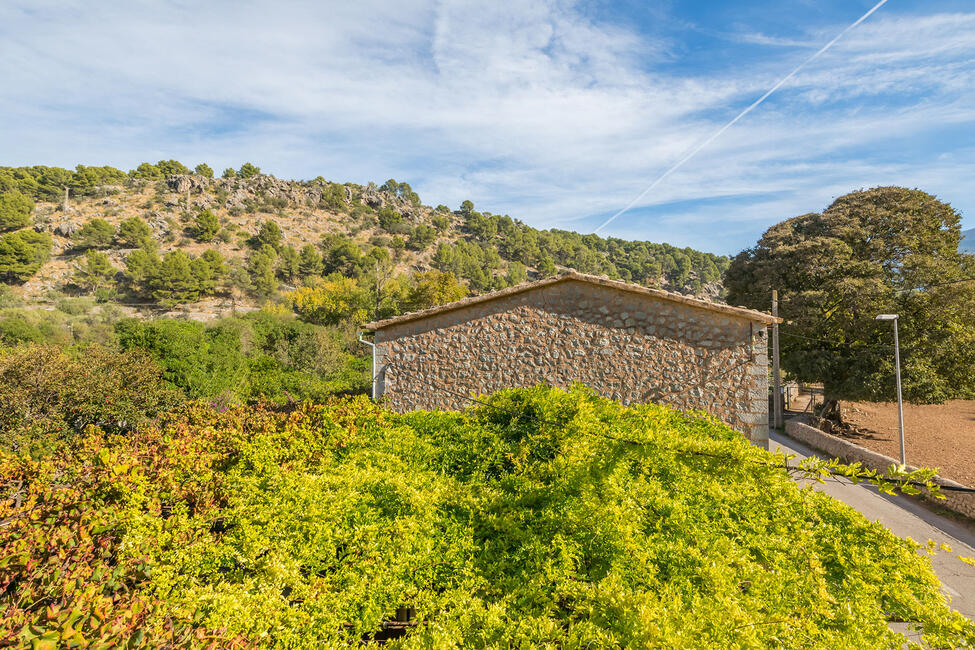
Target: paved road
<point>906,518</point>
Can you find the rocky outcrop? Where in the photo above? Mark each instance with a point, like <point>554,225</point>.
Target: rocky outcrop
<point>66,229</point>
<point>160,227</point>
<point>184,183</point>
<point>378,199</point>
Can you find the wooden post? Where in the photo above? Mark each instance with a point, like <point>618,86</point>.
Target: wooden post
<point>776,374</point>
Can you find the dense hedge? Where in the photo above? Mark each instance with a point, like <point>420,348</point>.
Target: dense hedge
<point>48,394</point>
<point>525,524</point>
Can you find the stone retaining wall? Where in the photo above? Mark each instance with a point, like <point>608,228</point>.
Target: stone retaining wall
<point>628,347</point>
<point>846,451</point>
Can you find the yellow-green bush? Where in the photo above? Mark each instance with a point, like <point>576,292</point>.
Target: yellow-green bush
<point>548,519</point>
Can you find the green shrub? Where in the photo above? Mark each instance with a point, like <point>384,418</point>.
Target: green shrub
<point>75,306</point>
<point>17,327</point>
<point>49,394</point>
<point>258,356</point>
<point>202,362</point>
<point>545,520</point>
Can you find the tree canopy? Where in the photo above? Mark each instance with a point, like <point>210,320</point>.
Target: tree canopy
<point>207,226</point>
<point>94,270</point>
<point>97,233</point>
<point>883,250</point>
<point>15,209</point>
<point>134,232</point>
<point>22,253</point>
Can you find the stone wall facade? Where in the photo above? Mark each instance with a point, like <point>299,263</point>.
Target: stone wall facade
<point>629,347</point>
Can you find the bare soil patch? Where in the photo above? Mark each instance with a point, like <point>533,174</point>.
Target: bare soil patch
<point>936,435</point>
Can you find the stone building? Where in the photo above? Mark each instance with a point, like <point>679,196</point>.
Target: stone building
<point>627,342</point>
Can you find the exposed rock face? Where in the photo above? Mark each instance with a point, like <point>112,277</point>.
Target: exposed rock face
<point>374,198</point>
<point>379,199</point>
<point>240,190</point>
<point>626,347</point>
<point>184,183</point>
<point>66,229</point>
<point>159,225</point>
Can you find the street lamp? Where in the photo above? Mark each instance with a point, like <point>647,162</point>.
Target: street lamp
<point>897,364</point>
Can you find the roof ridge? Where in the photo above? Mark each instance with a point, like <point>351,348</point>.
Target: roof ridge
<point>700,303</point>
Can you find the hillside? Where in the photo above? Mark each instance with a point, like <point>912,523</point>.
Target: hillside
<point>372,234</point>
<point>967,244</point>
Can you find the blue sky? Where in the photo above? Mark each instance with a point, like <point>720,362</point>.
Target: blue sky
<point>557,113</point>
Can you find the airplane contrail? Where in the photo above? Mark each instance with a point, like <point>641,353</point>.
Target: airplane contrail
<point>745,112</point>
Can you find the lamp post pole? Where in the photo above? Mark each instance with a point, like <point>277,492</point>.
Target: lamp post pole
<point>897,366</point>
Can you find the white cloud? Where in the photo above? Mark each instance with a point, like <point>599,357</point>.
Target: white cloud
<point>531,108</point>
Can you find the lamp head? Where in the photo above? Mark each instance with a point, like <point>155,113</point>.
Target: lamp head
<point>887,317</point>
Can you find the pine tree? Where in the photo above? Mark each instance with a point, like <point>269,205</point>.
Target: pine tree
<point>269,234</point>
<point>288,264</point>
<point>97,233</point>
<point>141,269</point>
<point>260,269</point>
<point>94,271</point>
<point>207,226</point>
<point>134,233</point>
<point>22,253</point>
<point>15,209</point>
<point>309,262</point>
<point>175,283</point>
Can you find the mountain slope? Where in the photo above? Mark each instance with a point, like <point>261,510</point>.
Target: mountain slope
<point>967,244</point>
<point>343,223</point>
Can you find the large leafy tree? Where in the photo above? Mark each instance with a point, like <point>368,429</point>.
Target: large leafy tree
<point>431,289</point>
<point>883,250</point>
<point>329,301</point>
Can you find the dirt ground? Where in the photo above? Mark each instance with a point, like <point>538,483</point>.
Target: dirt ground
<point>941,435</point>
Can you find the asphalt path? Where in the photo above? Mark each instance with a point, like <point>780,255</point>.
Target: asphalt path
<point>906,518</point>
